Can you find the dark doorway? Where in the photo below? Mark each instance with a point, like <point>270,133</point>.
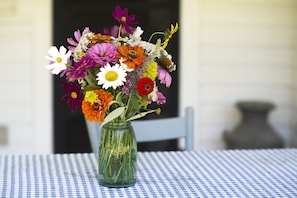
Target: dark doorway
<point>70,133</point>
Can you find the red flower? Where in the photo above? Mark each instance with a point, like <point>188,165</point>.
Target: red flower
<point>145,86</point>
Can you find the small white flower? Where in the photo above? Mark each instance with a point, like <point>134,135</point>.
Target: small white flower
<point>58,59</point>
<point>125,66</point>
<point>114,76</point>
<point>149,47</point>
<point>135,37</point>
<point>154,95</point>
<point>83,44</point>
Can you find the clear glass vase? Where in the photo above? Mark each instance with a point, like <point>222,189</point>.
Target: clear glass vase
<point>117,155</point>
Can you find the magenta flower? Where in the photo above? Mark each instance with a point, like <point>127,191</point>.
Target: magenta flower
<point>74,96</point>
<point>164,76</point>
<point>123,18</point>
<point>103,53</point>
<point>77,35</point>
<point>80,69</point>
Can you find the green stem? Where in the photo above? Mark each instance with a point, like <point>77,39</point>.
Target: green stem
<point>119,33</point>
<point>90,79</point>
<point>155,33</point>
<point>127,107</point>
<point>117,155</point>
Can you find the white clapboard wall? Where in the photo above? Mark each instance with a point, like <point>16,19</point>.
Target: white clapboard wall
<point>25,102</point>
<point>246,51</point>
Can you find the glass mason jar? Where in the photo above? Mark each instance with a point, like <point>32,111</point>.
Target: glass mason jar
<point>117,155</point>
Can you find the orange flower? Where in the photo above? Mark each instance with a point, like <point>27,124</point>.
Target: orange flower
<point>99,38</point>
<point>132,55</point>
<point>96,112</point>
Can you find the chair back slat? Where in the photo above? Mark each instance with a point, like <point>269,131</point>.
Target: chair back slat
<point>160,129</point>
<point>154,130</point>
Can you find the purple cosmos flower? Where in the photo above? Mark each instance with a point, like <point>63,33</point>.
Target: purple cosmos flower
<point>80,68</point>
<point>164,76</point>
<point>103,53</point>
<point>123,18</point>
<point>74,95</point>
<point>77,35</point>
<point>114,31</point>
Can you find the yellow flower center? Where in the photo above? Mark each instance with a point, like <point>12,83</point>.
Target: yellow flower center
<point>97,106</point>
<point>123,19</point>
<point>111,76</point>
<point>132,54</point>
<point>73,95</point>
<point>59,59</point>
<point>80,55</point>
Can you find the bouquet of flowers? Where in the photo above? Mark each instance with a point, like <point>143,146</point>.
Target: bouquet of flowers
<point>114,75</point>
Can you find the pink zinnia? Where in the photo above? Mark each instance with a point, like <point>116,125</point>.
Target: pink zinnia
<point>103,53</point>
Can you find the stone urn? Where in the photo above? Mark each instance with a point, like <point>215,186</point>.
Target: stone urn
<point>254,131</point>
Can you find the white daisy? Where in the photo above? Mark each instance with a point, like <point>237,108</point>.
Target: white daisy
<point>58,59</point>
<point>114,76</point>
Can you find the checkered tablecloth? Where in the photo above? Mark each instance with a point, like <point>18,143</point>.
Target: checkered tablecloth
<point>233,173</point>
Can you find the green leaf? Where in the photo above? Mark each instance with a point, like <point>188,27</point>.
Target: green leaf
<point>112,115</point>
<point>115,102</point>
<point>119,97</point>
<point>140,115</point>
<point>135,102</point>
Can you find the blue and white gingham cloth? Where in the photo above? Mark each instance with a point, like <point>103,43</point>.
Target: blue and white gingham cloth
<point>233,173</point>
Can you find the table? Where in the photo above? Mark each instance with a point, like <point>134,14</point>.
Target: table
<point>222,173</point>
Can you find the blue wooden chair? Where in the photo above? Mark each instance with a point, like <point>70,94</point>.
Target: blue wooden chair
<point>155,130</point>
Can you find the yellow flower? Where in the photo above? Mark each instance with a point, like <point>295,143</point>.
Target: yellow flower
<point>91,97</point>
<point>80,55</point>
<point>168,35</point>
<point>152,70</point>
<point>158,111</point>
